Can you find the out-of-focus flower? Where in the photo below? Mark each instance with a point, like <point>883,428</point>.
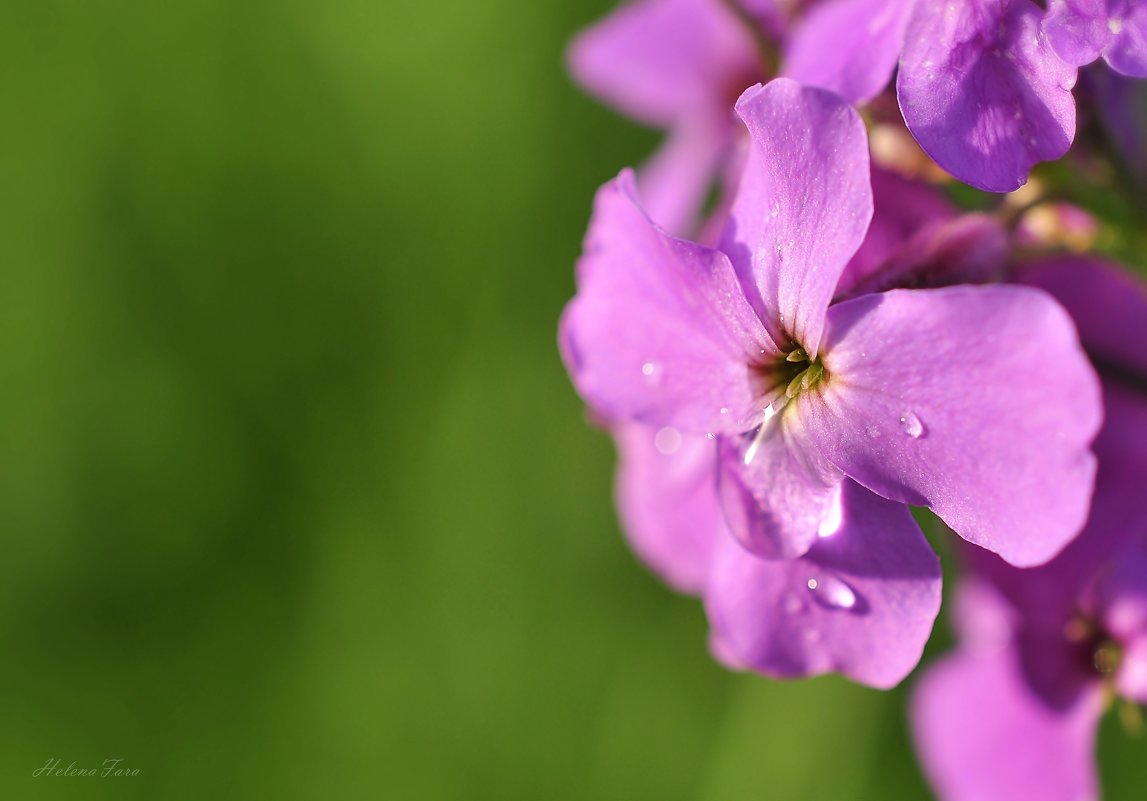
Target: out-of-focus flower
<point>932,397</point>
<point>1080,31</point>
<point>677,65</point>
<point>1013,713</point>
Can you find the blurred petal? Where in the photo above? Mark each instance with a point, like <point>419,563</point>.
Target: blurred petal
<point>861,602</point>
<point>1107,302</point>
<point>1127,52</point>
<point>848,46</point>
<point>803,205</point>
<point>1131,680</point>
<point>659,331</point>
<point>975,401</point>
<point>1077,29</point>
<point>661,60</point>
<point>982,91</point>
<point>901,208</point>
<point>969,249</point>
<point>667,499</point>
<point>675,181</point>
<point>983,736</point>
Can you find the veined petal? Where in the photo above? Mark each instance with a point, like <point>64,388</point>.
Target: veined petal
<point>802,207</point>
<point>848,46</point>
<point>861,602</point>
<point>975,401</point>
<point>667,500</point>
<point>660,331</point>
<point>982,91</point>
<point>982,735</point>
<point>659,61</point>
<point>774,506</point>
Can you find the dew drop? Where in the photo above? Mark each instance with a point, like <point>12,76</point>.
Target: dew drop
<point>648,369</point>
<point>724,410</point>
<point>910,424</point>
<point>832,592</point>
<point>667,441</point>
<point>792,604</point>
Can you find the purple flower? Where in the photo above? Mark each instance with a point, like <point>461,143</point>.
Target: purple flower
<point>676,65</point>
<point>984,85</point>
<point>974,401</point>
<point>1013,714</point>
<point>1080,31</point>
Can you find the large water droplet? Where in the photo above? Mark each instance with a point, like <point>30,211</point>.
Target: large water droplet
<point>648,369</point>
<point>763,431</point>
<point>833,516</point>
<point>832,592</point>
<point>667,440</point>
<point>911,425</point>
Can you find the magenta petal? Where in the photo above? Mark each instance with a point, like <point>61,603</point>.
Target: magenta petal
<point>659,331</point>
<point>1108,304</point>
<point>1077,29</point>
<point>1131,680</point>
<point>1127,52</point>
<point>774,505</point>
<point>848,46</point>
<point>982,91</point>
<point>902,207</point>
<point>803,205</point>
<point>983,736</point>
<point>861,602</point>
<point>975,401</point>
<point>659,61</point>
<point>667,499</point>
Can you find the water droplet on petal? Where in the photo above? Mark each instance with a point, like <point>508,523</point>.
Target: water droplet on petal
<point>667,441</point>
<point>832,592</point>
<point>763,430</point>
<point>724,410</point>
<point>792,604</point>
<point>833,515</point>
<point>911,425</point>
<point>648,368</point>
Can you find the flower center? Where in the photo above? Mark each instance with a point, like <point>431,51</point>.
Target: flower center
<point>795,373</point>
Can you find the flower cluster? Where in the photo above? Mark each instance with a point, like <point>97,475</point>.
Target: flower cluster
<point>836,341</point>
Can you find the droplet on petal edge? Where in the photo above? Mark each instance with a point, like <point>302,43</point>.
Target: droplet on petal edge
<point>911,425</point>
<point>832,592</point>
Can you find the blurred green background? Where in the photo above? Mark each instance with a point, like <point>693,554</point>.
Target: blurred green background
<point>295,498</point>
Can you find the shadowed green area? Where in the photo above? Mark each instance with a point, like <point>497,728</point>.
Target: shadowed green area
<point>295,499</point>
